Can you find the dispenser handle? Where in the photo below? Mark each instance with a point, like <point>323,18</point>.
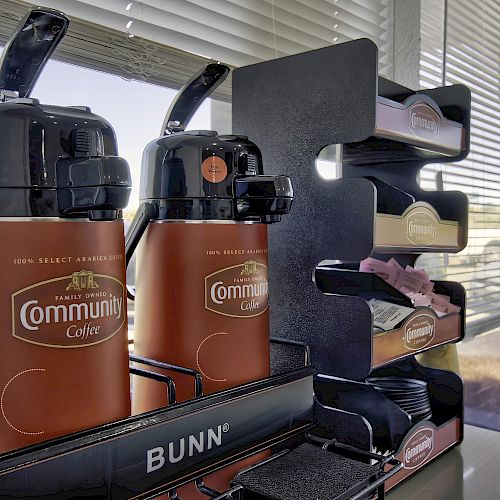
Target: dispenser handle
<point>191,95</point>
<point>29,49</point>
<point>143,216</point>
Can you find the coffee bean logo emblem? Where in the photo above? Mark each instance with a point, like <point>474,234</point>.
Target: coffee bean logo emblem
<point>424,121</point>
<point>421,226</point>
<point>419,331</point>
<point>214,169</point>
<point>418,448</point>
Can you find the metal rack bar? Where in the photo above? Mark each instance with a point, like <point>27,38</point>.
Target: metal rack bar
<point>171,392</point>
<point>198,382</point>
<point>229,493</point>
<point>206,490</point>
<point>382,460</point>
<point>295,344</point>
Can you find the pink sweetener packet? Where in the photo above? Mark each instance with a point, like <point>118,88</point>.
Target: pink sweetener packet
<point>427,287</point>
<point>427,284</point>
<point>422,272</point>
<point>410,280</point>
<point>420,300</point>
<point>369,264</point>
<point>446,309</point>
<point>380,268</point>
<point>453,308</point>
<point>440,299</point>
<point>394,263</point>
<point>439,308</point>
<point>440,302</point>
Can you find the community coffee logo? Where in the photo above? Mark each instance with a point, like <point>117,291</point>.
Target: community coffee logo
<point>79,310</point>
<point>418,448</point>
<point>239,291</point>
<point>419,331</point>
<point>424,121</point>
<point>421,226</point>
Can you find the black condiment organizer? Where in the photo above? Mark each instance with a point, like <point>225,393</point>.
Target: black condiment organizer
<point>329,98</point>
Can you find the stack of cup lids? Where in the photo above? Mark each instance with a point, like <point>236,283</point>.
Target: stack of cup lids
<point>411,395</point>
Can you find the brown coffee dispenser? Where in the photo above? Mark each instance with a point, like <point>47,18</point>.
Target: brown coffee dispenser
<point>63,343</point>
<point>201,271</point>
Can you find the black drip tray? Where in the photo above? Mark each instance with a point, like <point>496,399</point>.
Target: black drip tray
<point>307,472</point>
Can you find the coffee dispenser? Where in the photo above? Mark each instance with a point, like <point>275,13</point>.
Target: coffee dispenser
<point>63,348</point>
<point>201,271</point>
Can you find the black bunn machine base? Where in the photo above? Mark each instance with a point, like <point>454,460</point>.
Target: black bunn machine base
<point>380,134</point>
<point>154,453</point>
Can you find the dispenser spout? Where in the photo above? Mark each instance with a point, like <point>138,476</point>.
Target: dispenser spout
<point>190,97</point>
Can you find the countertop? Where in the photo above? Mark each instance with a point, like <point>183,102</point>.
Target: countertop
<point>468,472</point>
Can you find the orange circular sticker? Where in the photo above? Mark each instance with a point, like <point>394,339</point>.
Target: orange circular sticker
<point>214,169</point>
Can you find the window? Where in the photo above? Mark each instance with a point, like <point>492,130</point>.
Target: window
<point>460,45</point>
<point>180,34</point>
<point>94,44</point>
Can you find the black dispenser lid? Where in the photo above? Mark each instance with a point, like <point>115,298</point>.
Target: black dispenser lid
<point>54,161</point>
<point>199,174</point>
<point>29,48</point>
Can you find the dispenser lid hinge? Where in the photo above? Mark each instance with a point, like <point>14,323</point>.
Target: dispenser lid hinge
<point>7,95</point>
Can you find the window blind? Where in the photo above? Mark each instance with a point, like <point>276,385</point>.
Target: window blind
<point>460,44</point>
<point>99,47</point>
<point>236,32</point>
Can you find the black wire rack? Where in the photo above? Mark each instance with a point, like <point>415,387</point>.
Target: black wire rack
<point>109,461</point>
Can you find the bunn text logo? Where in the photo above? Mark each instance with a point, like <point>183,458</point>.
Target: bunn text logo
<point>185,447</point>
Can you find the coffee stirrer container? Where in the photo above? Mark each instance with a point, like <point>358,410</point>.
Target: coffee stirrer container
<point>63,343</point>
<point>202,257</point>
